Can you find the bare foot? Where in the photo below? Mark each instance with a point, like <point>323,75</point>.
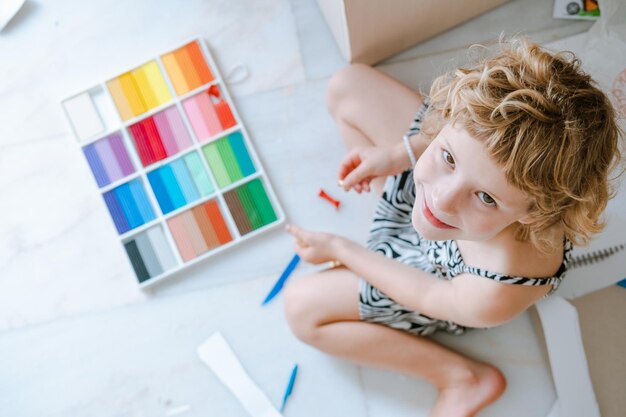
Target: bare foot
<point>468,397</point>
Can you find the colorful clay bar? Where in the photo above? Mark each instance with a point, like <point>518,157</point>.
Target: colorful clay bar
<point>160,136</point>
<point>137,91</point>
<point>108,159</point>
<point>187,68</point>
<point>199,230</point>
<point>208,113</point>
<point>229,159</point>
<point>149,253</point>
<point>129,206</point>
<point>250,206</point>
<point>180,182</point>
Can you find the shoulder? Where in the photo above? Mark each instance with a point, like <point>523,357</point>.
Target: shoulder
<point>497,301</point>
<point>523,259</point>
<point>491,303</point>
<point>514,258</point>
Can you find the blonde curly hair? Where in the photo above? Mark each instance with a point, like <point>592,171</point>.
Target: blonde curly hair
<point>546,123</point>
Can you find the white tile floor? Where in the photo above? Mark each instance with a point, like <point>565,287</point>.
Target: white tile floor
<point>78,337</point>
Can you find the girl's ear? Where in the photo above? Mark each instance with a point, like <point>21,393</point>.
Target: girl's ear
<point>526,219</point>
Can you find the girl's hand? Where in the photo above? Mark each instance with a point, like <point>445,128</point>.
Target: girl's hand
<point>314,247</point>
<point>362,164</point>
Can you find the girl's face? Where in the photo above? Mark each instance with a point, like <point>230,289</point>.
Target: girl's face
<point>461,193</point>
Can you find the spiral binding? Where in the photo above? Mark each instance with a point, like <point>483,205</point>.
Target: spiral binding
<point>595,256</point>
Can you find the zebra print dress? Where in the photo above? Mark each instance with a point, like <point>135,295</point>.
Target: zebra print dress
<point>393,235</point>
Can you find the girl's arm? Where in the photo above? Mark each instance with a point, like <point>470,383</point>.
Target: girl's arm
<point>466,299</point>
<point>362,164</point>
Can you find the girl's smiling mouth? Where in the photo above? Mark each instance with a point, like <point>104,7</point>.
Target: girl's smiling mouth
<point>432,219</point>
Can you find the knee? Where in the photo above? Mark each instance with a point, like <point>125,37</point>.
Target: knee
<point>299,302</point>
<point>342,85</point>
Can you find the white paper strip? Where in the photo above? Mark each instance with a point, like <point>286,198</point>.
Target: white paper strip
<point>575,396</point>
<point>216,353</point>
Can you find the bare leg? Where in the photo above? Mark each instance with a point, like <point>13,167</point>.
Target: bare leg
<point>370,108</point>
<point>322,310</point>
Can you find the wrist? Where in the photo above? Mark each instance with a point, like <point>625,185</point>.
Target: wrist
<point>336,247</point>
<point>400,155</point>
<point>341,249</point>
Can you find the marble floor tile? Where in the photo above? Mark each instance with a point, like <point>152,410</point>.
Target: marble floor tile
<point>60,254</point>
<point>141,360</point>
<point>54,50</point>
<point>81,337</point>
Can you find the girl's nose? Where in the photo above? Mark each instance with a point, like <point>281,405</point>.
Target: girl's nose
<point>445,199</point>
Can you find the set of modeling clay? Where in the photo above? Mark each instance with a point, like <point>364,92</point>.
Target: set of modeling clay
<point>173,162</point>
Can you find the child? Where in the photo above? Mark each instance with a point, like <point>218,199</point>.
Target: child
<point>513,157</point>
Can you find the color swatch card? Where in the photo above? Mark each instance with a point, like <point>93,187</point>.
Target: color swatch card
<point>173,162</point>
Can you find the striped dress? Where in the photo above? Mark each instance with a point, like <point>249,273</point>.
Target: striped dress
<point>393,235</point>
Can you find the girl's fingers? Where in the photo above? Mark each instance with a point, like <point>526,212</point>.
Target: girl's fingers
<point>348,164</point>
<point>303,252</point>
<point>293,231</point>
<point>299,234</point>
<point>355,177</point>
<point>299,243</point>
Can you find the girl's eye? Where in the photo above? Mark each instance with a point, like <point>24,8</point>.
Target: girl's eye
<point>447,156</point>
<point>486,198</point>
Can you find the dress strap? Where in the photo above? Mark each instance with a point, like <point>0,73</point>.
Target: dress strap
<point>517,280</point>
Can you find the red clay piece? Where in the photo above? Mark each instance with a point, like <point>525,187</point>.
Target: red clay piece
<point>325,196</point>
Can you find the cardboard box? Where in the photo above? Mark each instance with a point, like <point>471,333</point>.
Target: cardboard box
<point>601,319</point>
<point>601,316</point>
<point>369,31</point>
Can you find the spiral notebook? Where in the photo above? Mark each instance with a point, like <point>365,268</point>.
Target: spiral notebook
<point>596,256</point>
